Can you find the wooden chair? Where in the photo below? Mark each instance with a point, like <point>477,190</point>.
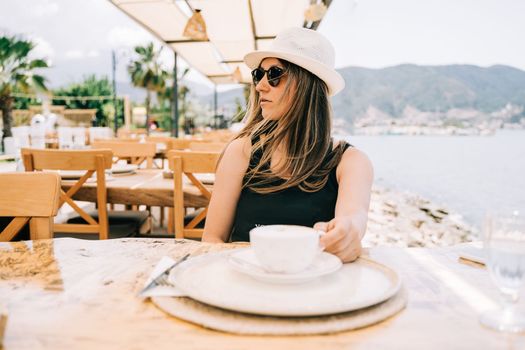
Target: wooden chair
<point>207,146</point>
<point>184,144</point>
<point>179,144</point>
<point>136,152</point>
<point>223,135</point>
<point>163,144</point>
<point>189,163</point>
<point>92,161</point>
<point>123,132</point>
<point>160,139</point>
<point>131,152</point>
<point>29,197</point>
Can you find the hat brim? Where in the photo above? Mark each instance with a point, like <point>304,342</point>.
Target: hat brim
<point>330,76</point>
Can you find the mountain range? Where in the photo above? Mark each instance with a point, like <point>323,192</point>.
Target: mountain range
<point>429,89</point>
<point>424,88</point>
<point>391,90</point>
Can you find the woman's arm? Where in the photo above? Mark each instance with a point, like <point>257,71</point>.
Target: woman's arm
<point>226,191</point>
<point>344,233</point>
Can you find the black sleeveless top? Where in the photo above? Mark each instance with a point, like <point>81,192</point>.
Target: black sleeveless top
<point>291,206</point>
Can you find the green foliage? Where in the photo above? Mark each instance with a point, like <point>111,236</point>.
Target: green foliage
<point>17,73</point>
<point>240,107</point>
<point>147,72</point>
<point>165,97</point>
<point>24,102</point>
<point>92,86</point>
<point>16,69</point>
<point>162,116</point>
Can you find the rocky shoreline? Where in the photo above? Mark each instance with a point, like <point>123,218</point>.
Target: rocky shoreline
<point>405,219</point>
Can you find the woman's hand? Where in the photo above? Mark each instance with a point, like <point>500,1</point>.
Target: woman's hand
<point>344,233</point>
<point>342,238</point>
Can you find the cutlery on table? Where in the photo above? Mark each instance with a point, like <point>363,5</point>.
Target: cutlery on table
<point>162,278</point>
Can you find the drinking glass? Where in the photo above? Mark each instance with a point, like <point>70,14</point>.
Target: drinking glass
<point>505,250</point>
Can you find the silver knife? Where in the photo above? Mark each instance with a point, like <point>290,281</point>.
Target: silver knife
<point>157,279</point>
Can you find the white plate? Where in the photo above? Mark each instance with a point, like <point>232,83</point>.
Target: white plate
<point>71,174</point>
<point>245,261</point>
<point>123,168</point>
<point>206,178</point>
<point>92,179</point>
<point>210,279</point>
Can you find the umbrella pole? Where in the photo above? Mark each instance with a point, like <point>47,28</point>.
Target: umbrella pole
<point>175,100</point>
<point>215,116</point>
<point>114,76</point>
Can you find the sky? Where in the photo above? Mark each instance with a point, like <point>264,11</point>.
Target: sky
<point>77,36</point>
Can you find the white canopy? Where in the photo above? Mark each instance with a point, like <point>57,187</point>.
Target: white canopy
<point>234,27</point>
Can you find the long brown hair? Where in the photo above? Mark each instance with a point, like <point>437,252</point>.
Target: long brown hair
<point>303,132</point>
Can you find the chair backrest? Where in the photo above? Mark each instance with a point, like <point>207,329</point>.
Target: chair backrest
<point>179,144</point>
<point>160,139</point>
<point>137,152</point>
<point>207,146</point>
<point>187,163</point>
<point>123,132</point>
<point>29,197</point>
<point>162,142</point>
<point>223,135</point>
<point>183,144</point>
<point>120,139</point>
<point>91,161</point>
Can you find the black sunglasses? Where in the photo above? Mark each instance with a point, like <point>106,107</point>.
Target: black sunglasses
<point>273,74</point>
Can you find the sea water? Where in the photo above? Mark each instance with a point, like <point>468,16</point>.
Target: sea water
<point>469,175</point>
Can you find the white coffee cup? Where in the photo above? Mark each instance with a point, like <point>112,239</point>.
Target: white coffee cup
<point>285,248</point>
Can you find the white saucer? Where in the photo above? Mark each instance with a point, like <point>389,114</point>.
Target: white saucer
<point>245,261</point>
<point>71,174</point>
<point>210,279</point>
<point>123,168</point>
<point>75,175</point>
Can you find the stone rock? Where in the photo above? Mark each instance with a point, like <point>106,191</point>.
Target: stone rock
<point>405,219</point>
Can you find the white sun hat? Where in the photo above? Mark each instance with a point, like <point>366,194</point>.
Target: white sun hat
<point>307,49</point>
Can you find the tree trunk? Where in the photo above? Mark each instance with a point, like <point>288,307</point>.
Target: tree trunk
<point>148,99</point>
<point>6,104</point>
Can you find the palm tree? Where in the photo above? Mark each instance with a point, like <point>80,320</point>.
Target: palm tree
<point>91,85</point>
<point>166,94</point>
<point>147,72</point>
<point>17,74</point>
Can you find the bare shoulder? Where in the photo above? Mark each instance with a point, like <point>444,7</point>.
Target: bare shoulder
<point>239,148</point>
<point>353,154</point>
<point>236,156</point>
<point>241,145</point>
<point>354,161</point>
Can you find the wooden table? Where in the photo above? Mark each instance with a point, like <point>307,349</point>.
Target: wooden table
<point>146,187</point>
<point>72,294</point>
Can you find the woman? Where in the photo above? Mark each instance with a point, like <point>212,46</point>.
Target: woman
<point>283,167</point>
